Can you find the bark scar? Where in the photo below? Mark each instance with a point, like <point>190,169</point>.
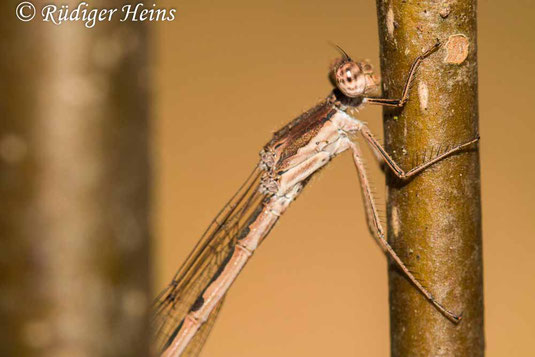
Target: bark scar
<point>390,21</point>
<point>456,49</point>
<point>423,93</point>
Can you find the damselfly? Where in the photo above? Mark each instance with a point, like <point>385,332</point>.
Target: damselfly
<point>186,310</point>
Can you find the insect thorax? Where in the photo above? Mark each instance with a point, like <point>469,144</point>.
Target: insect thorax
<point>304,145</point>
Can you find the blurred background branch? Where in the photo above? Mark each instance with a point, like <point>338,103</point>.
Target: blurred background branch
<point>434,220</point>
<point>74,175</point>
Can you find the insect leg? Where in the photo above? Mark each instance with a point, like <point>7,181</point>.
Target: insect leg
<point>412,71</point>
<point>376,146</point>
<point>378,232</point>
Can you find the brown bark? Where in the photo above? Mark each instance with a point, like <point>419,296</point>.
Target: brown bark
<point>434,219</point>
<point>74,187</point>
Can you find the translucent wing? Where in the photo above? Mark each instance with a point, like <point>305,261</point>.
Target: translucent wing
<point>195,346</point>
<point>204,262</point>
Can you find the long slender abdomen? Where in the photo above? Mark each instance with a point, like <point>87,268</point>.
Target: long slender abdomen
<point>258,228</point>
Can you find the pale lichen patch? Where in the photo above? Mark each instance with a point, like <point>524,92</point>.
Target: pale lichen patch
<point>456,49</point>
<point>395,221</point>
<point>423,94</point>
<point>390,21</point>
<point>445,10</point>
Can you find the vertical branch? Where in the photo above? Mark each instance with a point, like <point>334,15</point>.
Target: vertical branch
<point>434,220</point>
<point>74,172</point>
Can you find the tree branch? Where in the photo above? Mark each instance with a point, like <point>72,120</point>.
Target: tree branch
<point>434,219</point>
<point>74,171</point>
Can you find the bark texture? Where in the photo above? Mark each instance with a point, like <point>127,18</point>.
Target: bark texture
<point>74,187</point>
<point>434,219</point>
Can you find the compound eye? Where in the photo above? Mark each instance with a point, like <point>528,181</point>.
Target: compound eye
<point>347,77</point>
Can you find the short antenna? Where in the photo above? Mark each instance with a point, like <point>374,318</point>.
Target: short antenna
<point>341,50</point>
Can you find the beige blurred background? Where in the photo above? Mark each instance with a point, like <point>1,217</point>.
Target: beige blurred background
<point>229,73</point>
